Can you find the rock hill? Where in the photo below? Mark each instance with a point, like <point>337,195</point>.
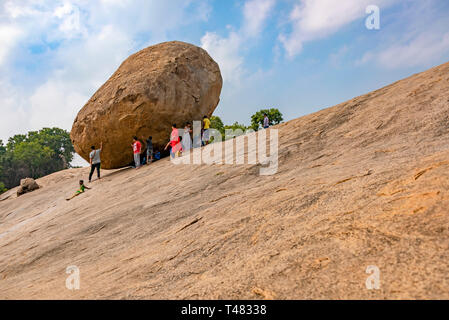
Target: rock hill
<point>364,183</point>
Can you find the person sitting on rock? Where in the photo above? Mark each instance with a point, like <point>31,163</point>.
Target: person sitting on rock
<point>79,191</point>
<point>157,155</point>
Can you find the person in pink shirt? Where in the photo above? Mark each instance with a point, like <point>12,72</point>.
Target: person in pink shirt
<point>175,142</point>
<point>137,149</point>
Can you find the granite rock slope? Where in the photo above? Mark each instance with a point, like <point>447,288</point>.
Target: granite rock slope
<point>364,183</point>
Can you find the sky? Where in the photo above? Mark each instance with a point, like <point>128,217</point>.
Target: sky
<point>299,56</point>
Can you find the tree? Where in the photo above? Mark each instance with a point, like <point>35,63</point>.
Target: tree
<point>274,115</point>
<point>34,155</point>
<point>2,154</point>
<point>217,124</point>
<point>56,139</point>
<point>236,126</point>
<point>2,148</point>
<point>13,141</point>
<point>38,159</point>
<point>2,188</point>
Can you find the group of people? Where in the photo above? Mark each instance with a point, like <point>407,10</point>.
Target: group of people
<point>95,164</point>
<point>148,157</point>
<point>177,146</point>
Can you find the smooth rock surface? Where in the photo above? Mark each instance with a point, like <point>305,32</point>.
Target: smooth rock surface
<point>172,82</point>
<point>364,183</point>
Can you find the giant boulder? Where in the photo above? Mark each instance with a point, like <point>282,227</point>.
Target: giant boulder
<point>172,82</point>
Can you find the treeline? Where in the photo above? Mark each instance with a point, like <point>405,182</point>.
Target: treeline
<point>274,115</point>
<point>34,155</point>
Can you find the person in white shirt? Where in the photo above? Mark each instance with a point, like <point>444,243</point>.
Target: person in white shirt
<point>95,161</point>
<point>186,140</point>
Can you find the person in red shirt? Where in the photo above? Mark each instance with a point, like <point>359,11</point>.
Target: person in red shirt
<point>175,142</point>
<point>137,149</point>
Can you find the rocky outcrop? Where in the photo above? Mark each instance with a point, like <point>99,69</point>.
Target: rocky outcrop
<point>362,189</point>
<point>27,185</point>
<point>172,82</point>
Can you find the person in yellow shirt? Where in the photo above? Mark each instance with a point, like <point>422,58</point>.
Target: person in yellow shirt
<point>206,126</point>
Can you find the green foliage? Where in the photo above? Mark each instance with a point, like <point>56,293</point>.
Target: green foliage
<point>2,156</point>
<point>2,148</point>
<point>236,126</point>
<point>237,129</point>
<point>216,123</point>
<point>13,141</point>
<point>2,188</point>
<point>38,158</point>
<point>274,115</point>
<point>56,139</point>
<point>34,155</point>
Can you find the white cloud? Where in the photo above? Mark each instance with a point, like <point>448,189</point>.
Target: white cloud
<point>45,20</point>
<point>16,11</point>
<point>120,3</point>
<point>420,51</point>
<point>9,36</point>
<point>69,87</point>
<point>315,19</point>
<point>84,43</point>
<point>144,16</point>
<point>227,51</point>
<point>418,37</point>
<point>255,13</point>
<point>70,21</point>
<point>54,105</point>
<point>83,69</point>
<point>13,118</point>
<point>63,10</point>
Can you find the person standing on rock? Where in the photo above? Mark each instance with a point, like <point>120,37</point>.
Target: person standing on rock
<point>149,150</point>
<point>266,121</point>
<point>95,161</point>
<point>186,140</point>
<point>206,126</point>
<point>137,150</point>
<point>175,142</point>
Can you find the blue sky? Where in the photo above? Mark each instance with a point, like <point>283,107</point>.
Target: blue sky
<point>297,55</point>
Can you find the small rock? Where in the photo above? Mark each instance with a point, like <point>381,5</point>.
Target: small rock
<point>27,185</point>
